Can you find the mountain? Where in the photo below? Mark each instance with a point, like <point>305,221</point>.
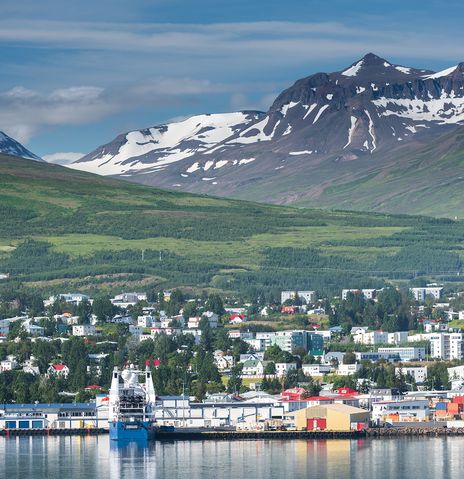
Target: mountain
<point>353,126</point>
<point>156,148</point>
<point>9,146</point>
<point>68,230</point>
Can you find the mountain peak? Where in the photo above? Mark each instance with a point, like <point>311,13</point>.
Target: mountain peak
<point>10,146</point>
<point>373,59</point>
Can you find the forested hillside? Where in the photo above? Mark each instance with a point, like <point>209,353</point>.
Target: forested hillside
<point>69,230</point>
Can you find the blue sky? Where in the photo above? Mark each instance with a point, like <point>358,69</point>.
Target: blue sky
<point>76,74</point>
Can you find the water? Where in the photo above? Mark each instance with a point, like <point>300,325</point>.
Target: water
<point>94,457</point>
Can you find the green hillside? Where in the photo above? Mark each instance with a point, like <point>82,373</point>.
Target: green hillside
<point>66,230</point>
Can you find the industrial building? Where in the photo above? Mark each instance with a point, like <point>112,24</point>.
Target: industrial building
<point>331,417</point>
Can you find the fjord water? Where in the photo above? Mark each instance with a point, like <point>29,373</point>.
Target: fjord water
<point>95,457</point>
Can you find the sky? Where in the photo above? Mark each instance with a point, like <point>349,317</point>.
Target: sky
<point>74,75</point>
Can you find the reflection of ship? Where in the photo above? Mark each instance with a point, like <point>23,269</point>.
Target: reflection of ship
<point>131,405</point>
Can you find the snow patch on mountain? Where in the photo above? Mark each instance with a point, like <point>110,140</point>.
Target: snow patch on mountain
<point>353,70</point>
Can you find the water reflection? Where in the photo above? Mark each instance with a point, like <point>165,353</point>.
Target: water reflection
<point>98,457</point>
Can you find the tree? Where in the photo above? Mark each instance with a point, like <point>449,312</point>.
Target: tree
<point>190,309</point>
<point>235,379</point>
<point>103,308</point>
<point>349,358</point>
<point>270,368</point>
<point>215,304</point>
<point>84,311</point>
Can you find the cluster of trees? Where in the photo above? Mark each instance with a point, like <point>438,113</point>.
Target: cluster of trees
<point>391,312</point>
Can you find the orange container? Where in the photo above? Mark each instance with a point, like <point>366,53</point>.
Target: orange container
<point>453,408</point>
<point>441,412</point>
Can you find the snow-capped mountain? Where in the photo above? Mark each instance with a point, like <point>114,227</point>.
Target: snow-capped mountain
<point>9,146</point>
<point>321,131</point>
<point>154,149</point>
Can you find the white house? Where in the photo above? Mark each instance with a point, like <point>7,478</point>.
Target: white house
<point>417,372</point>
<point>125,300</point>
<point>283,368</point>
<point>253,367</point>
<point>84,330</point>
<point>8,364</point>
<point>145,321</point>
<point>308,296</point>
<point>223,362</point>
<point>348,369</point>
<point>58,370</point>
<point>421,293</point>
<point>316,369</point>
<point>367,293</point>
<point>135,330</point>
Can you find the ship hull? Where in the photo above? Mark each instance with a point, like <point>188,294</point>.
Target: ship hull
<point>131,431</point>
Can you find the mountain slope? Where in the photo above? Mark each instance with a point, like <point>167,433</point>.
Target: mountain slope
<point>69,230</point>
<point>9,146</point>
<point>370,118</point>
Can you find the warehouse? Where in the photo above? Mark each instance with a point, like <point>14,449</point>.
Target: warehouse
<point>331,417</point>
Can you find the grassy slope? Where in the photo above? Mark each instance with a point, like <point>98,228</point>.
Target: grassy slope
<point>102,226</point>
<point>427,182</point>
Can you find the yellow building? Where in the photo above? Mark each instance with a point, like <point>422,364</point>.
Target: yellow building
<point>331,417</point>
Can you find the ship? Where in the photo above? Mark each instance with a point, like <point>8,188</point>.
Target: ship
<point>132,405</point>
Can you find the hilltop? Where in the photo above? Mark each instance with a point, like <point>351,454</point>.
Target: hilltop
<point>65,229</point>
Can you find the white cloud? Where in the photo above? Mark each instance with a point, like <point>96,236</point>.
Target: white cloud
<point>62,158</point>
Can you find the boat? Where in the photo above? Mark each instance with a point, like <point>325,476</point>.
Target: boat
<point>132,405</point>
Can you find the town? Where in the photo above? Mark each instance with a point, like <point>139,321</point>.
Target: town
<point>365,358</point>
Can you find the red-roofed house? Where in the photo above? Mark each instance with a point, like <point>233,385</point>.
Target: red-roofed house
<point>60,370</point>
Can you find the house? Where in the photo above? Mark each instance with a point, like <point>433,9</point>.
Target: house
<point>239,334</point>
<point>253,367</point>
<point>125,300</point>
<point>59,370</point>
<point>223,362</point>
<point>84,330</point>
<point>194,322</point>
<point>421,293</point>
<point>316,369</point>
<point>145,321</point>
<point>33,330</point>
<point>418,373</point>
<point>122,319</point>
<point>367,293</point>
<point>283,368</point>
<point>348,369</point>
<point>72,298</point>
<point>307,296</point>
<point>9,363</point>
<point>237,318</point>
<point>331,417</point>
<point>135,330</point>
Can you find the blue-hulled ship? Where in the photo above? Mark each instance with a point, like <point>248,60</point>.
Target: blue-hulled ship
<point>132,405</point>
